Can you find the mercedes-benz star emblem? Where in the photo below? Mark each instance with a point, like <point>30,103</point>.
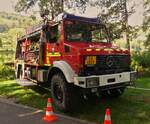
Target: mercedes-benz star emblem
<point>109,61</point>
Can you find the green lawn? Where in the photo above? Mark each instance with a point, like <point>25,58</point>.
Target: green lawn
<point>35,96</point>
<point>133,107</point>
<point>143,82</point>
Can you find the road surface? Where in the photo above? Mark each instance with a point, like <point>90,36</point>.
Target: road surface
<point>11,113</point>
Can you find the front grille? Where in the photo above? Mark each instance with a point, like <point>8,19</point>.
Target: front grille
<point>108,64</point>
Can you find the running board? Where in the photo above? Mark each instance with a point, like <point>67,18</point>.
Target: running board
<point>25,82</point>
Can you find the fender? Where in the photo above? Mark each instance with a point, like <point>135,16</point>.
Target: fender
<point>66,69</point>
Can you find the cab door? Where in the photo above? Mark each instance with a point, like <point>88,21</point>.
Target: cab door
<point>52,45</point>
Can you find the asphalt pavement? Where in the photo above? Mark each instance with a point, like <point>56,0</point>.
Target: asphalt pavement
<point>11,113</point>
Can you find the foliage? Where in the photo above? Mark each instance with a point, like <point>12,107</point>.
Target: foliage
<point>146,23</point>
<point>141,62</point>
<point>3,28</point>
<point>143,82</point>
<point>55,6</point>
<point>16,25</point>
<point>116,16</point>
<point>6,72</point>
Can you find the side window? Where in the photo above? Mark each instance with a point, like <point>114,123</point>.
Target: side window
<point>52,34</point>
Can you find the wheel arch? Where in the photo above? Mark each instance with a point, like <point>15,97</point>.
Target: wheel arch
<point>64,68</point>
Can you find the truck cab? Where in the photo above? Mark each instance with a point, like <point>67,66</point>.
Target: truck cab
<point>75,56</point>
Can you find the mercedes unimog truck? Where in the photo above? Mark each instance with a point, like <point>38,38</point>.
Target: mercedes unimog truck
<point>75,56</point>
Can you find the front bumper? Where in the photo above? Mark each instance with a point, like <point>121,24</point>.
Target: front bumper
<point>105,80</point>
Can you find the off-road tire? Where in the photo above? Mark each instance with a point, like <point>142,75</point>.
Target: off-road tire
<point>19,73</point>
<point>68,93</point>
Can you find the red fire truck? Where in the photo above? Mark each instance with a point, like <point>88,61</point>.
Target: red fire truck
<point>76,57</point>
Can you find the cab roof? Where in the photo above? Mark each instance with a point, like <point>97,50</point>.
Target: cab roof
<point>67,16</point>
<point>35,30</point>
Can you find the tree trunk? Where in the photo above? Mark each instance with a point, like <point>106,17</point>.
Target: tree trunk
<point>126,25</point>
<point>62,5</point>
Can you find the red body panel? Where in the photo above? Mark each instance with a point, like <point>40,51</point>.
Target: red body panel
<point>79,49</point>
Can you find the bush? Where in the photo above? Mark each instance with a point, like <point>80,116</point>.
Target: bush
<point>6,72</point>
<point>141,62</point>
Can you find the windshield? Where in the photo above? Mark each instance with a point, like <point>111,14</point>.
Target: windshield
<point>85,32</point>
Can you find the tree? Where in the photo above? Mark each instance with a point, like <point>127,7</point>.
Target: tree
<point>115,13</point>
<point>8,37</point>
<point>146,23</point>
<point>116,16</point>
<point>55,6</point>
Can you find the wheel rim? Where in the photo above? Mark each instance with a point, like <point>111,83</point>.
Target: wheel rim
<point>58,93</point>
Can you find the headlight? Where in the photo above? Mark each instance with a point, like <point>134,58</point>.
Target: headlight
<point>90,60</point>
<point>92,82</point>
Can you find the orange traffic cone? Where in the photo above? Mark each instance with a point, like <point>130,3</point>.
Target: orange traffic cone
<point>107,117</point>
<point>49,112</point>
<point>49,102</point>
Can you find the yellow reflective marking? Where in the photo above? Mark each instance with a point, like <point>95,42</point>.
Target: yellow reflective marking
<point>47,60</point>
<point>98,49</point>
<point>88,50</point>
<point>54,54</point>
<point>47,64</point>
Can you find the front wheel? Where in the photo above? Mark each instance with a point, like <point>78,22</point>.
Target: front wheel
<point>62,93</point>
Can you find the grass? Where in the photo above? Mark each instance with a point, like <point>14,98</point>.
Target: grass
<point>34,97</point>
<point>133,107</point>
<point>143,82</point>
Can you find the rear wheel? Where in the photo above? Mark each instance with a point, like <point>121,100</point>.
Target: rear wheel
<point>19,72</point>
<point>63,94</point>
